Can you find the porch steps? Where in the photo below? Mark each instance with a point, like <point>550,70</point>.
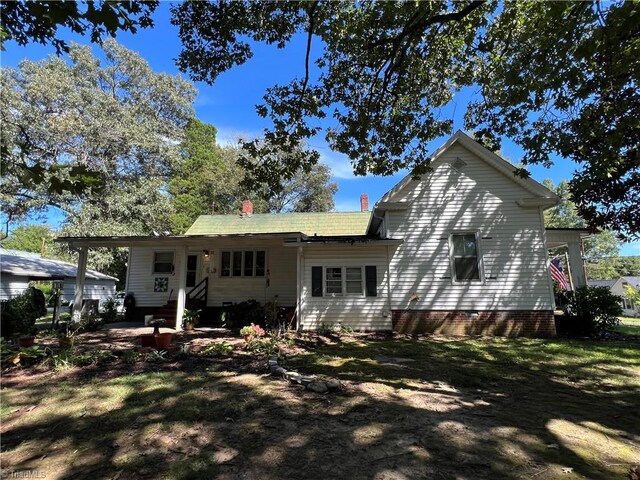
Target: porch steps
<point>167,311</point>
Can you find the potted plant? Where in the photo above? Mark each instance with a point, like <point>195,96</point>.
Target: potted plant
<point>27,340</point>
<point>190,319</point>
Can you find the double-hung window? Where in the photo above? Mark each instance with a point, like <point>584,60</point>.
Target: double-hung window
<point>162,262</point>
<point>242,263</point>
<point>343,281</point>
<point>465,259</point>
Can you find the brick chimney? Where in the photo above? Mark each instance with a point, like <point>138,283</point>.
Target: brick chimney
<point>247,207</point>
<point>364,202</point>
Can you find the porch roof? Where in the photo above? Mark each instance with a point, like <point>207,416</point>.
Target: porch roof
<point>314,223</point>
<point>152,240</point>
<point>558,237</point>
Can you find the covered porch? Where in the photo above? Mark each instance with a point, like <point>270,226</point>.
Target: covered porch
<point>572,239</point>
<point>212,273</point>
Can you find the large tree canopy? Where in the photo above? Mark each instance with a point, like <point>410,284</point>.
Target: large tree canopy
<point>97,139</point>
<point>38,21</point>
<point>558,78</point>
<point>72,131</point>
<point>209,180</point>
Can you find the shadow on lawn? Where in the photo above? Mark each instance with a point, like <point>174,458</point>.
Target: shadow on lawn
<point>454,412</point>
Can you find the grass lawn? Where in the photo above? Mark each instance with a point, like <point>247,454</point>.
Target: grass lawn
<point>408,408</point>
<point>629,326</point>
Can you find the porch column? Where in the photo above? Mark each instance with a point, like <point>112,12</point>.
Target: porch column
<point>181,272</point>
<point>577,264</point>
<point>80,274</point>
<point>299,273</point>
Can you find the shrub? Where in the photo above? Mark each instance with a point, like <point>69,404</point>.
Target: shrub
<point>109,310</point>
<point>19,314</point>
<point>595,308</point>
<point>90,323</point>
<point>252,331</point>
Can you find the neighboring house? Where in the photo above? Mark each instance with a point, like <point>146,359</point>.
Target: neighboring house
<point>18,268</point>
<point>618,287</point>
<point>463,250</point>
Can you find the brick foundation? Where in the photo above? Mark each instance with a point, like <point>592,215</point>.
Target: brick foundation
<point>511,323</point>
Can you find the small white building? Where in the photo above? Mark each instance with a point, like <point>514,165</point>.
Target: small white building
<point>618,286</point>
<point>462,250</point>
<point>18,268</point>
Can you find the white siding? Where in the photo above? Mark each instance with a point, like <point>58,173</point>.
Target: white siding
<point>477,199</point>
<point>93,289</point>
<point>357,312</point>
<point>280,262</point>
<point>12,286</point>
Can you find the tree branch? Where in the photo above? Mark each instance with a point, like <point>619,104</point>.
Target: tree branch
<point>421,25</point>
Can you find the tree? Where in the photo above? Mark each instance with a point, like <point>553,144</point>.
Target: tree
<point>71,131</point>
<point>601,250</point>
<point>38,21</point>
<point>209,179</point>
<point>97,140</point>
<point>555,77</point>
<point>30,238</point>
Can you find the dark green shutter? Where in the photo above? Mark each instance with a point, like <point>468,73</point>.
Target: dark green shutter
<point>371,279</point>
<point>316,281</point>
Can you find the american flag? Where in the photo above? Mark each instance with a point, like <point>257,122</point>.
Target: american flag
<point>555,269</point>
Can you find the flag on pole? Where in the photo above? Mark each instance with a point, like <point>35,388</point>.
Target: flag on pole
<point>555,269</point>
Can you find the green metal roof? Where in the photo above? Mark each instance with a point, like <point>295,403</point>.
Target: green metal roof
<point>325,223</point>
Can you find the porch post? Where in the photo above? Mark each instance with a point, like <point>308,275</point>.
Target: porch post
<point>80,274</point>
<point>576,264</point>
<point>299,287</point>
<point>181,272</point>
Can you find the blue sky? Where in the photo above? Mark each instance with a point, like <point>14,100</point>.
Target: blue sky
<point>230,105</point>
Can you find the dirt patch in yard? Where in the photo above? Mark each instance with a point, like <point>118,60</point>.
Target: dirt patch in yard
<point>406,409</point>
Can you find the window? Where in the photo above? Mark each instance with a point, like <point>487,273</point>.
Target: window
<point>163,262</point>
<point>333,281</point>
<point>236,267</point>
<point>225,264</point>
<point>243,263</point>
<point>464,257</point>
<point>354,281</point>
<point>339,281</point>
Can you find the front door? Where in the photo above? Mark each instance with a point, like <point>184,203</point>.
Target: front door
<point>192,270</point>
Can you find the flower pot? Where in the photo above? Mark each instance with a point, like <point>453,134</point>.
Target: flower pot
<point>188,326</point>
<point>163,340</point>
<point>148,340</point>
<point>27,341</point>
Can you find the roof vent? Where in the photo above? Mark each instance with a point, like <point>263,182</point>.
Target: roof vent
<point>458,164</point>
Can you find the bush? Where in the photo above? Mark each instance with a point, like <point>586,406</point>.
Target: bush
<point>595,309</point>
<point>19,314</point>
<point>109,310</point>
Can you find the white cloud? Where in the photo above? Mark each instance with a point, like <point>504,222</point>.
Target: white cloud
<point>230,136</point>
<point>339,163</point>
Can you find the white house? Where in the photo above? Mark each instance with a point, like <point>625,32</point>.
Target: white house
<point>18,268</point>
<point>618,286</point>
<point>461,250</point>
